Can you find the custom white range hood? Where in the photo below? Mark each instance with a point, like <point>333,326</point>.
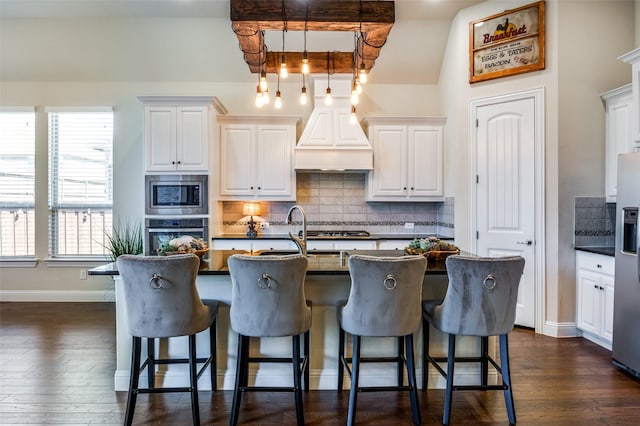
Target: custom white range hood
<point>330,141</point>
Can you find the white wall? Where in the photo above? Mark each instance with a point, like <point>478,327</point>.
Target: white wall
<point>581,62</point>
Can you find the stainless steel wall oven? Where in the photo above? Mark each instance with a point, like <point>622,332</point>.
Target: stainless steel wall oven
<point>162,229</point>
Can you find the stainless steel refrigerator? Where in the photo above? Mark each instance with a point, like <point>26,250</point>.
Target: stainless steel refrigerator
<point>626,299</point>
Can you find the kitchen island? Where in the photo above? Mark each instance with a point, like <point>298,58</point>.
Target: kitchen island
<point>327,282</point>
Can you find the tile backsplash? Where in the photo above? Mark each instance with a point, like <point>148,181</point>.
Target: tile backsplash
<point>337,201</point>
<point>594,222</point>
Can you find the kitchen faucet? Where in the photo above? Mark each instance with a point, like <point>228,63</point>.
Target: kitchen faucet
<point>300,242</point>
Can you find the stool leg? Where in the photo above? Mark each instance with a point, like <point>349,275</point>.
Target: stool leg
<point>213,351</point>
<point>136,348</point>
<point>451,357</point>
<point>307,356</point>
<point>355,374</point>
<point>193,379</point>
<point>411,375</point>
<point>425,353</point>
<point>151,366</point>
<point>400,364</point>
<point>341,355</point>
<point>237,391</point>
<point>484,363</point>
<point>297,379</point>
<point>506,378</point>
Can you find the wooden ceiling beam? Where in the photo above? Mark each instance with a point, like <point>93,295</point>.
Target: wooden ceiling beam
<point>250,17</point>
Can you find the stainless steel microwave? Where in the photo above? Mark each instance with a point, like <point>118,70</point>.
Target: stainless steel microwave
<point>176,194</point>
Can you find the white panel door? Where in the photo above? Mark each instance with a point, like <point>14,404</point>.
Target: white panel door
<point>505,191</point>
<point>160,135</point>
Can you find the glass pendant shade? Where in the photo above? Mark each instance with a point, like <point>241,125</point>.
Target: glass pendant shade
<point>278,102</point>
<point>303,96</point>
<point>259,100</point>
<point>327,99</point>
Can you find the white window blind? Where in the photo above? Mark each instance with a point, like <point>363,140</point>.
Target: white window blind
<point>80,180</point>
<point>17,182</point>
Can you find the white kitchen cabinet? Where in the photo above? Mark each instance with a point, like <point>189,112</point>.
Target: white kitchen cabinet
<point>595,285</point>
<point>393,244</point>
<point>619,129</point>
<point>176,133</point>
<point>347,245</point>
<point>256,158</point>
<point>633,58</point>
<point>408,159</point>
<point>252,245</point>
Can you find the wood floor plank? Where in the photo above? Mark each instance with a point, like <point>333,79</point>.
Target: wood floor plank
<point>57,362</point>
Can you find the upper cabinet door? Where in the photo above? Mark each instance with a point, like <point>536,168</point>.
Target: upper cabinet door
<point>192,135</point>
<point>237,160</point>
<point>160,136</point>
<point>426,153</point>
<point>389,175</point>
<point>274,159</point>
<point>619,134</point>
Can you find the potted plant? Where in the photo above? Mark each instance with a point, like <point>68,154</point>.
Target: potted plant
<point>125,238</point>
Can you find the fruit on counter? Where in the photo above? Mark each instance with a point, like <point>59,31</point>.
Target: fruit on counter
<point>184,244</point>
<point>424,245</point>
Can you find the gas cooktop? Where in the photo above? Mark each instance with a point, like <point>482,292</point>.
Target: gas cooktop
<point>329,234</point>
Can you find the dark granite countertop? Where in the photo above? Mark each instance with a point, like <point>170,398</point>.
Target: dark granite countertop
<point>374,237</point>
<point>320,263</point>
<point>607,251</point>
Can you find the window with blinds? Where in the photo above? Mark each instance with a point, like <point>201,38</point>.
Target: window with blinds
<point>17,182</point>
<point>80,180</point>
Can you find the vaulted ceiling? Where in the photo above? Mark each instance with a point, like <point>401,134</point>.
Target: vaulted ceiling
<point>412,54</point>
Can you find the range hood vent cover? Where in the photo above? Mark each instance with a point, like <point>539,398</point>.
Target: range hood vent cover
<point>330,141</point>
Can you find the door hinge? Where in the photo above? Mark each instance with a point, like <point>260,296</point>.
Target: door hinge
<point>477,235</point>
<point>477,178</point>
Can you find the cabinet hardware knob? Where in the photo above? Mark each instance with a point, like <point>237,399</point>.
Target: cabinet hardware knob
<point>404,188</point>
<point>412,188</point>
<point>595,286</point>
<point>251,187</point>
<point>599,265</point>
<point>173,162</point>
<point>601,288</point>
<point>259,188</point>
<point>526,242</point>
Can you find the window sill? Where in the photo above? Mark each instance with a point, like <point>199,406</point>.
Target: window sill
<point>18,262</point>
<point>79,262</point>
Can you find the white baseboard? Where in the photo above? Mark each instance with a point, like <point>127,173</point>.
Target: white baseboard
<point>57,296</point>
<point>563,329</point>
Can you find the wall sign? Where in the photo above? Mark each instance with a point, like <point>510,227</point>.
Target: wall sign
<point>508,43</point>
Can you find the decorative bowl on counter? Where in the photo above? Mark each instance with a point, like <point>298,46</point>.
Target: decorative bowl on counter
<point>183,245</point>
<point>435,250</point>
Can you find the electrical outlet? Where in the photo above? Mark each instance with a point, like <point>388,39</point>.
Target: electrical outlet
<point>408,225</point>
<point>264,225</point>
<point>83,274</point>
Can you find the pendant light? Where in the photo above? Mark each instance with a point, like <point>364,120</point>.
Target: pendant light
<point>305,56</point>
<point>284,73</point>
<point>278,101</point>
<point>354,118</point>
<point>303,93</point>
<point>327,99</point>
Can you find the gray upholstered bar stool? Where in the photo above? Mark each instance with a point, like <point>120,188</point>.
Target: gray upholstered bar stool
<point>268,300</point>
<point>162,301</point>
<point>384,301</point>
<point>480,301</point>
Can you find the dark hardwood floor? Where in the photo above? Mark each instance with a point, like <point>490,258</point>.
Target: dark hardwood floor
<point>57,362</point>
